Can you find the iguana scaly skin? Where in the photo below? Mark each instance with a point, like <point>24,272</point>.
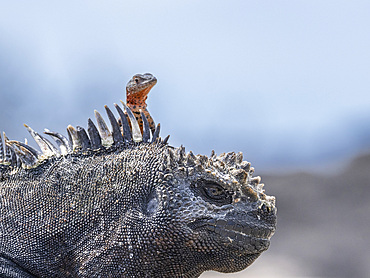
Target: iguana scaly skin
<point>107,204</point>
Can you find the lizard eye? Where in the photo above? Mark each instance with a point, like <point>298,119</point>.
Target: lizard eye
<point>212,192</point>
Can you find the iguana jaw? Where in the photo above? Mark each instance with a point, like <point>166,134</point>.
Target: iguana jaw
<point>236,234</point>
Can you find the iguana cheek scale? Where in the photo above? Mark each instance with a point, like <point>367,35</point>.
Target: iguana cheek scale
<point>119,201</point>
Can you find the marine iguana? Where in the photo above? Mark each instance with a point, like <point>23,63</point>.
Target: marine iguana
<point>124,203</point>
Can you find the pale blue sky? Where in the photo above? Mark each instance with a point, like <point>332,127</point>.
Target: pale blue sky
<point>286,82</point>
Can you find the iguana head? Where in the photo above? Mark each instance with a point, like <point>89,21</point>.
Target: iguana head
<point>220,212</point>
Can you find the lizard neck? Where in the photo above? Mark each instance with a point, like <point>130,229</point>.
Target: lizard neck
<point>137,98</point>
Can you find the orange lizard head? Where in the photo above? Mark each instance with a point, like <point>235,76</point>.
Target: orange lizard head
<point>138,88</point>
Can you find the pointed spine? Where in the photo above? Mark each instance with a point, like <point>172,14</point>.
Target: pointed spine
<point>26,156</point>
<point>240,175</point>
<point>7,152</point>
<point>239,158</point>
<point>180,153</point>
<point>105,134</point>
<point>246,166</point>
<point>127,135</point>
<point>191,159</point>
<point>165,140</point>
<point>95,138</point>
<point>84,139</point>
<point>136,133</point>
<point>76,143</point>
<point>230,159</point>
<point>1,150</point>
<point>156,133</point>
<point>63,143</point>
<point>146,129</point>
<point>255,181</point>
<point>31,150</point>
<point>45,145</point>
<point>117,136</point>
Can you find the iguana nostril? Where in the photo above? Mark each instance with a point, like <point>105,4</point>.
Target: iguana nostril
<point>265,208</point>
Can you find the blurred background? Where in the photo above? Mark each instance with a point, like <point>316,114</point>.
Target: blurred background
<point>285,82</point>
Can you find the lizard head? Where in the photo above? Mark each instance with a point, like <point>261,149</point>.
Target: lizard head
<point>138,88</point>
<point>225,217</point>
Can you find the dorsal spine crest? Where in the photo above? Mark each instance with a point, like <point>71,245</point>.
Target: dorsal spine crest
<point>101,139</point>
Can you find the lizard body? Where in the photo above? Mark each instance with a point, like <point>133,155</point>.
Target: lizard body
<point>137,90</point>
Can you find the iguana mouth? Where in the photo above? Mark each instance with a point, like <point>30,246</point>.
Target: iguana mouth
<point>252,239</point>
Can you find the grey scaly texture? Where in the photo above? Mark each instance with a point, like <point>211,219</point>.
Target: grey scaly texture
<point>121,203</point>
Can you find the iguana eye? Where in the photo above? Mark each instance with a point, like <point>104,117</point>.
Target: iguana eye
<point>212,192</point>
